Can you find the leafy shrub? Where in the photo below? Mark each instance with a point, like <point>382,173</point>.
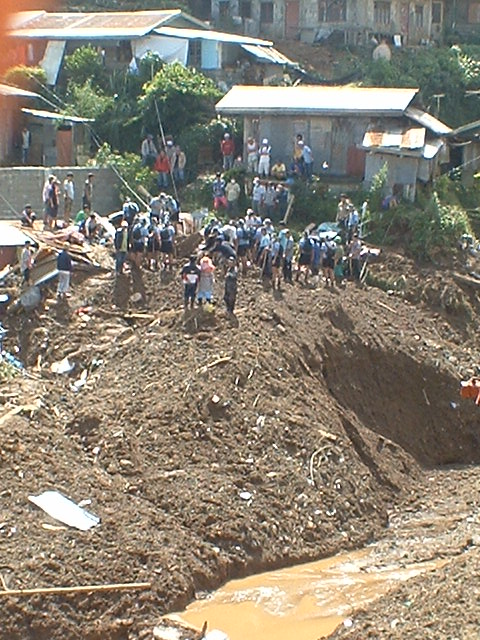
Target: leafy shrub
<point>201,142</point>
<point>28,78</point>
<point>438,229</point>
<point>129,167</point>
<point>428,233</point>
<point>448,71</point>
<point>313,202</point>
<point>85,64</point>
<point>87,100</point>
<point>179,96</point>
<point>376,192</point>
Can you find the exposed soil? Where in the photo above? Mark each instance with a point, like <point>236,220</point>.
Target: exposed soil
<point>180,414</point>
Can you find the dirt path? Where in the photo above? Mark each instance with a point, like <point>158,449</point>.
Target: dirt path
<point>318,404</point>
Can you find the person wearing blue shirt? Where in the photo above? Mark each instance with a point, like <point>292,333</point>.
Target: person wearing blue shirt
<point>316,256</point>
<point>307,156</point>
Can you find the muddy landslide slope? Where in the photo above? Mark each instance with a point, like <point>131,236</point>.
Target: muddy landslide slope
<point>209,449</point>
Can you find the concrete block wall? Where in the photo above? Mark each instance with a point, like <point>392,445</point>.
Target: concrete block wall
<point>19,185</point>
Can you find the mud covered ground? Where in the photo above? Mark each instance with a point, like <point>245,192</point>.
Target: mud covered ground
<point>328,409</point>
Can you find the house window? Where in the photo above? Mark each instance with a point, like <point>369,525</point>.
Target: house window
<point>195,53</point>
<point>332,10</point>
<point>436,13</point>
<point>266,12</point>
<point>419,16</point>
<point>246,9</point>
<point>381,13</point>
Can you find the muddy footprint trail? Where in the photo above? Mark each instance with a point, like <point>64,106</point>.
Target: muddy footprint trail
<point>326,408</point>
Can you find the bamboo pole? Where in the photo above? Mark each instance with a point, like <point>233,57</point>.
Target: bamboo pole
<point>130,586</point>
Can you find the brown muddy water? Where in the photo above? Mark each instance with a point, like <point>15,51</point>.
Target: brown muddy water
<point>309,601</point>
<point>306,602</point>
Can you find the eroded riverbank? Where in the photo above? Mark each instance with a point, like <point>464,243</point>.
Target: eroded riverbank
<point>310,601</point>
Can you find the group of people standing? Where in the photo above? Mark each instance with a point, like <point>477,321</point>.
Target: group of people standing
<point>255,241</point>
<point>198,280</point>
<point>148,240</point>
<point>258,156</point>
<point>64,267</point>
<point>168,162</point>
<point>54,193</point>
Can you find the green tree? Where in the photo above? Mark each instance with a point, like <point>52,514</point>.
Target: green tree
<point>181,97</point>
<point>87,100</point>
<point>448,72</point>
<point>85,64</point>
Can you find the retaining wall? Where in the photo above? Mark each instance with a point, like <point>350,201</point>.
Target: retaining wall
<point>19,185</point>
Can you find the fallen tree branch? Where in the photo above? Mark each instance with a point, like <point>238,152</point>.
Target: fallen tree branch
<point>385,306</point>
<point>206,367</point>
<point>131,586</point>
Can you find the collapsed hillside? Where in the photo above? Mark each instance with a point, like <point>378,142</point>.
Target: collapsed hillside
<point>211,448</point>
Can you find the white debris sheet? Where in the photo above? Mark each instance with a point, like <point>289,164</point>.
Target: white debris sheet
<point>65,510</point>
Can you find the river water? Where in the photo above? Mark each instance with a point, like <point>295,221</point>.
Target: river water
<point>308,601</point>
<point>304,602</point>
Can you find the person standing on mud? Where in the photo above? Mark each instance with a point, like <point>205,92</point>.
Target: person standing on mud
<point>68,196</point>
<point>65,268</point>
<point>26,262</point>
<point>87,196</point>
<point>231,283</point>
<point>190,276</point>
<point>121,246</point>
<point>205,285</point>
<point>288,251</point>
<point>305,247</point>
<point>227,148</point>
<point>354,255</point>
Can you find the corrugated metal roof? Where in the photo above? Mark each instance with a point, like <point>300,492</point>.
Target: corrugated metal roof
<point>466,130</point>
<point>15,92</point>
<point>68,26</point>
<point>432,147</point>
<point>411,141</point>
<point>14,20</point>
<point>426,120</point>
<point>52,115</point>
<point>219,36</point>
<point>10,236</point>
<point>315,100</point>
<point>268,54</point>
<point>412,138</point>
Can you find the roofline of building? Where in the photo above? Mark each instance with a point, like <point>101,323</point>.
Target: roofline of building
<point>27,30</point>
<point>308,110</point>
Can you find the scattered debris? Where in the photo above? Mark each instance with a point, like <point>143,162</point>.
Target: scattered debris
<point>31,298</point>
<point>19,409</point>
<point>62,366</point>
<point>64,510</point>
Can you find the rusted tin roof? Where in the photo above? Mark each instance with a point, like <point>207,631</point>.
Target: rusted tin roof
<point>412,138</point>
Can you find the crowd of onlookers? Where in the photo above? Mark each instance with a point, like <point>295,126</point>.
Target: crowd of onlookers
<point>248,243</point>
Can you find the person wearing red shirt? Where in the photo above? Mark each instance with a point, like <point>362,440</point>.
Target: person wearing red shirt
<point>227,147</point>
<point>162,166</point>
